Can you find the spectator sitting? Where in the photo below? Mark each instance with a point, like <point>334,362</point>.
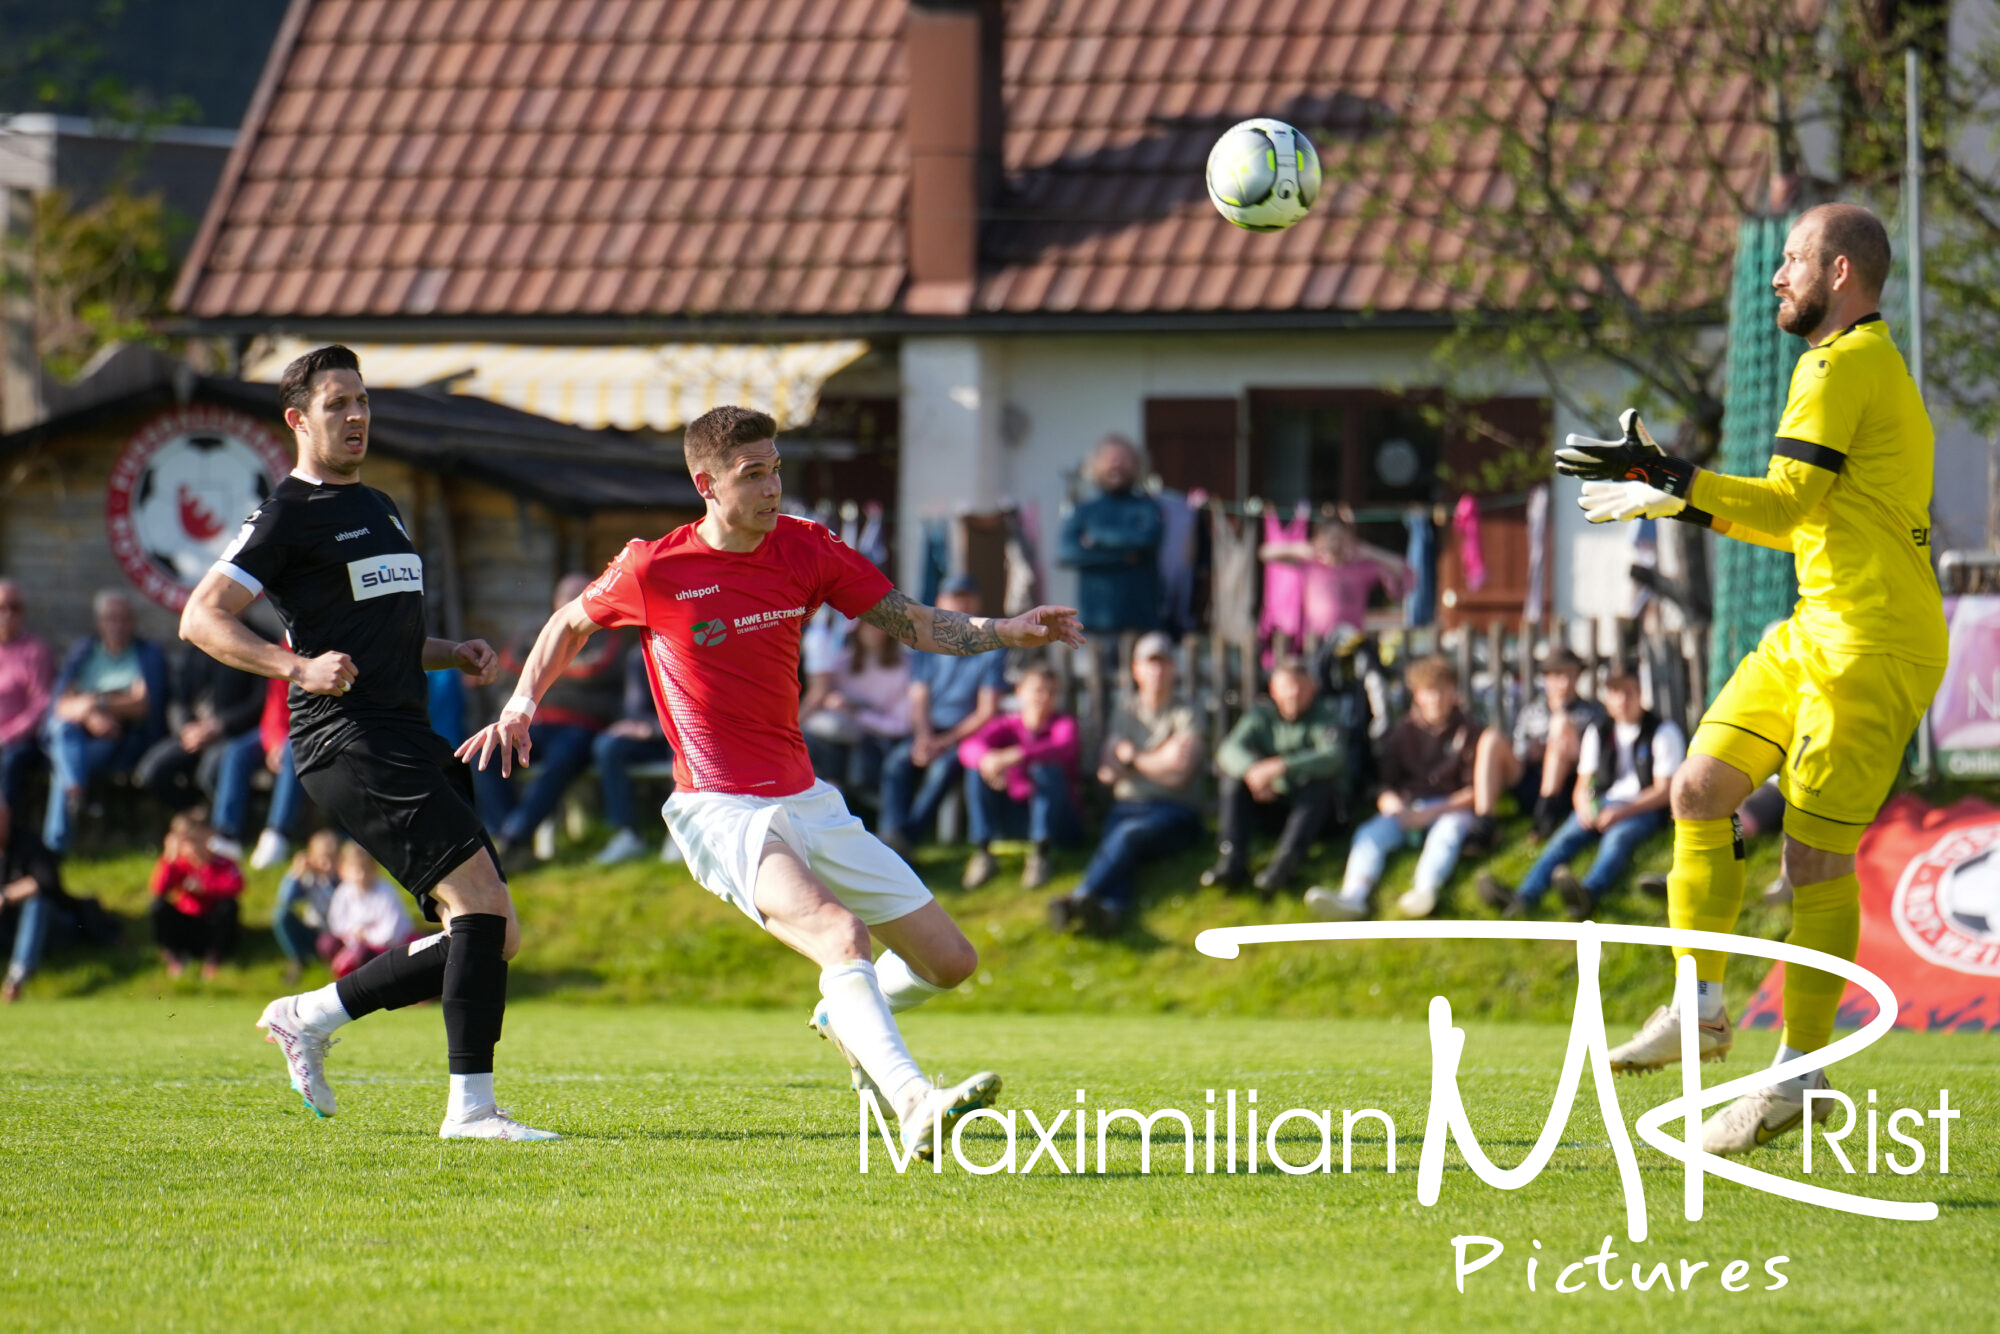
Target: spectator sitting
<point>584,700</point>
<point>1021,769</point>
<point>1624,769</point>
<point>195,897</point>
<point>31,891</point>
<point>950,699</point>
<point>1547,737</point>
<point>272,750</point>
<point>1287,754</point>
<point>303,896</point>
<point>365,917</point>
<point>218,706</point>
<point>1152,761</point>
<point>26,673</point>
<point>853,714</point>
<point>1112,541</point>
<point>633,739</point>
<point>1427,768</point>
<point>110,705</point>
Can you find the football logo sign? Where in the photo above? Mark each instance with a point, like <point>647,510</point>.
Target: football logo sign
<point>1947,904</point>
<point>179,491</point>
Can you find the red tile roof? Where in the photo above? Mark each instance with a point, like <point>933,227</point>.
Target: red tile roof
<point>675,158</point>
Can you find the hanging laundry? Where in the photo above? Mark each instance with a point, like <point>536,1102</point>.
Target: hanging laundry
<point>1284,581</point>
<point>1538,554</point>
<point>1420,603</point>
<point>1177,546</point>
<point>1465,522</point>
<point>1233,589</point>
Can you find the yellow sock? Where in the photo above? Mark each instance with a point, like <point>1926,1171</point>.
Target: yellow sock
<point>1705,888</point>
<point>1825,917</point>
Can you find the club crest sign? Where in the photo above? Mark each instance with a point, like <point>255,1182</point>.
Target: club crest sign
<point>179,491</point>
<point>1947,904</point>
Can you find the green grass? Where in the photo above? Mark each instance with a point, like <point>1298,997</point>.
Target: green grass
<point>645,932</point>
<point>159,1175</point>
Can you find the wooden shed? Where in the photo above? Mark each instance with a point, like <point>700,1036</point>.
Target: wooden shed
<point>144,470</point>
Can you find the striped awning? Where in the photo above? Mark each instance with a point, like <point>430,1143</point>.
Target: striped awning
<point>661,387</point>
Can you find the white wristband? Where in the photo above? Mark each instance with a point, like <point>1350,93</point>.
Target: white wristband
<point>520,706</point>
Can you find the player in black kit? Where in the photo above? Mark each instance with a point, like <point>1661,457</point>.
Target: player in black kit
<point>344,577</point>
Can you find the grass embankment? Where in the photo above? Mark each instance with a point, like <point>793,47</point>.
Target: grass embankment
<point>646,932</point>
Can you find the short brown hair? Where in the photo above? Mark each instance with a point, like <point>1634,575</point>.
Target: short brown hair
<point>714,438</point>
<point>1046,672</point>
<point>1622,681</point>
<point>1432,673</point>
<point>295,386</point>
<point>1851,230</point>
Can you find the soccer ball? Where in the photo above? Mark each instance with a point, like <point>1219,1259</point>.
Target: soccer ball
<point>1263,175</point>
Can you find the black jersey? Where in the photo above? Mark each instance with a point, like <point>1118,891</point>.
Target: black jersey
<point>343,576</point>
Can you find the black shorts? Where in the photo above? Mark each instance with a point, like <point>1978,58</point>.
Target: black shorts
<point>400,793</point>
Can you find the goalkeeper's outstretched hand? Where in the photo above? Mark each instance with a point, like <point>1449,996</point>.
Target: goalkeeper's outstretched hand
<point>1633,459</point>
<point>1610,502</point>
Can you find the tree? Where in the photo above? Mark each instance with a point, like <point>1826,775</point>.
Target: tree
<point>102,273</point>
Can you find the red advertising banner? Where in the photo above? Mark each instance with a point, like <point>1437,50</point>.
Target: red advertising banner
<point>1930,920</point>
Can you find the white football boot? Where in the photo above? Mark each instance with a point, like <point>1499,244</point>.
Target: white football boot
<point>1657,1044</point>
<point>305,1053</point>
<point>491,1123</point>
<point>857,1078</point>
<point>941,1107</point>
<point>1328,906</point>
<point>1758,1118</point>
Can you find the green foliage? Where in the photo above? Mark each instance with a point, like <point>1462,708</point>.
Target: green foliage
<point>103,273</point>
<point>161,1176</point>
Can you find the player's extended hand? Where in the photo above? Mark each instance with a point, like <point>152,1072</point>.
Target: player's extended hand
<point>475,658</point>
<point>1635,458</point>
<point>508,737</point>
<point>1612,502</point>
<point>1040,627</point>
<point>328,674</point>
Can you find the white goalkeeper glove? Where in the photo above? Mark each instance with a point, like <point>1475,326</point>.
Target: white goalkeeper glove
<point>1611,502</point>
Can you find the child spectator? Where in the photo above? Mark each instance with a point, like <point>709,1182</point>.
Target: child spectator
<point>1428,761</point>
<point>195,893</point>
<point>1021,769</point>
<point>1286,755</point>
<point>634,739</point>
<point>303,896</point>
<point>1624,770</point>
<point>853,715</point>
<point>365,917</point>
<point>1548,736</point>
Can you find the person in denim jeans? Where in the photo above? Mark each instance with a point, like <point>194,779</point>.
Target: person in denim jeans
<point>1020,769</point>
<point>634,739</point>
<point>31,885</point>
<point>110,706</point>
<point>1428,765</point>
<point>1624,769</point>
<point>950,699</point>
<point>1154,762</point>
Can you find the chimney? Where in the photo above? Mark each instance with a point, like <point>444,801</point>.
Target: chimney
<point>952,123</point>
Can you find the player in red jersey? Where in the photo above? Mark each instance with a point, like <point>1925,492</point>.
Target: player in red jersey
<point>722,604</point>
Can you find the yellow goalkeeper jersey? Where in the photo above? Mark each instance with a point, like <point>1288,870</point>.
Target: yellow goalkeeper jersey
<point>1850,485</point>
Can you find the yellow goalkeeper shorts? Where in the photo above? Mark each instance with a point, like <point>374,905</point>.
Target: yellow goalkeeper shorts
<point>1832,726</point>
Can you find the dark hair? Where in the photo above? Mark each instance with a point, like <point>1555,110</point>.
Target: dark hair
<point>295,386</point>
<point>1851,230</point>
<point>713,438</point>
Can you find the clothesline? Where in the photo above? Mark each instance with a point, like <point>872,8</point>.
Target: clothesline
<point>1327,509</point>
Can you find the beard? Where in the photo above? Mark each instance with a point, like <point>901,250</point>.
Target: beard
<point>1808,311</point>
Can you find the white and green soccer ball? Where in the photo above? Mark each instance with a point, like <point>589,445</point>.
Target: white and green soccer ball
<point>1263,175</point>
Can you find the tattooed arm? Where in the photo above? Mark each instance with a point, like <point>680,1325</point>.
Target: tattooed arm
<point>935,630</point>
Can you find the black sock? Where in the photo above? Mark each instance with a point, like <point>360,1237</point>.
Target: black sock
<point>406,975</point>
<point>475,991</point>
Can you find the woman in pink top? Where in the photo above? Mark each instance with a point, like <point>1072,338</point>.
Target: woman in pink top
<point>1022,765</point>
<point>855,713</point>
<point>1338,571</point>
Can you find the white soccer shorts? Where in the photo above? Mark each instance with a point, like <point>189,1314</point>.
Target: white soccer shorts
<point>722,835</point>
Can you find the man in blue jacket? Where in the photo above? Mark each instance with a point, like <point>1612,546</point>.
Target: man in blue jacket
<point>110,705</point>
<point>1113,543</point>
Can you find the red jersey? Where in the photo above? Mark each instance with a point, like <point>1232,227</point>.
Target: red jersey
<point>722,631</point>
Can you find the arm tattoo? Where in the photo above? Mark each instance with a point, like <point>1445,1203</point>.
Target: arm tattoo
<point>951,632</point>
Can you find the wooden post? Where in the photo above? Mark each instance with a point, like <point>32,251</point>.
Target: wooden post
<point>1247,679</point>
<point>1496,664</point>
<point>1218,676</point>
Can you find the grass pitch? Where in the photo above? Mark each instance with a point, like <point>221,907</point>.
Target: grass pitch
<point>159,1175</point>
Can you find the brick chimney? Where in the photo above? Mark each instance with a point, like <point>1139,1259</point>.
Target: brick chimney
<point>952,123</point>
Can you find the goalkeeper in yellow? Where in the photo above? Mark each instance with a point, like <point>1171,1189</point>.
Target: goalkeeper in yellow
<point>1830,698</point>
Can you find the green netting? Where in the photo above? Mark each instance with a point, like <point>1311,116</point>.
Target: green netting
<point>1753,585</point>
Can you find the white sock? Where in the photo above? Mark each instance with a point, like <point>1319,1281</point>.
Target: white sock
<point>901,987</point>
<point>1794,1089</point>
<point>321,1010</point>
<point>1709,997</point>
<point>469,1093</point>
<point>860,1015</point>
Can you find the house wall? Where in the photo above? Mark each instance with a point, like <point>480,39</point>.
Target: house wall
<point>992,419</point>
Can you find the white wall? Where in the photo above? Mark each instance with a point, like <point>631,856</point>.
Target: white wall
<point>1066,392</point>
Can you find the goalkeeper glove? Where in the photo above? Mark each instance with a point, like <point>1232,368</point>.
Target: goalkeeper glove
<point>1633,459</point>
<point>1609,502</point>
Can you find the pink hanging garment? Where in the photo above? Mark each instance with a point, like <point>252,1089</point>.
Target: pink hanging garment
<point>1465,518</point>
<point>1284,581</point>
